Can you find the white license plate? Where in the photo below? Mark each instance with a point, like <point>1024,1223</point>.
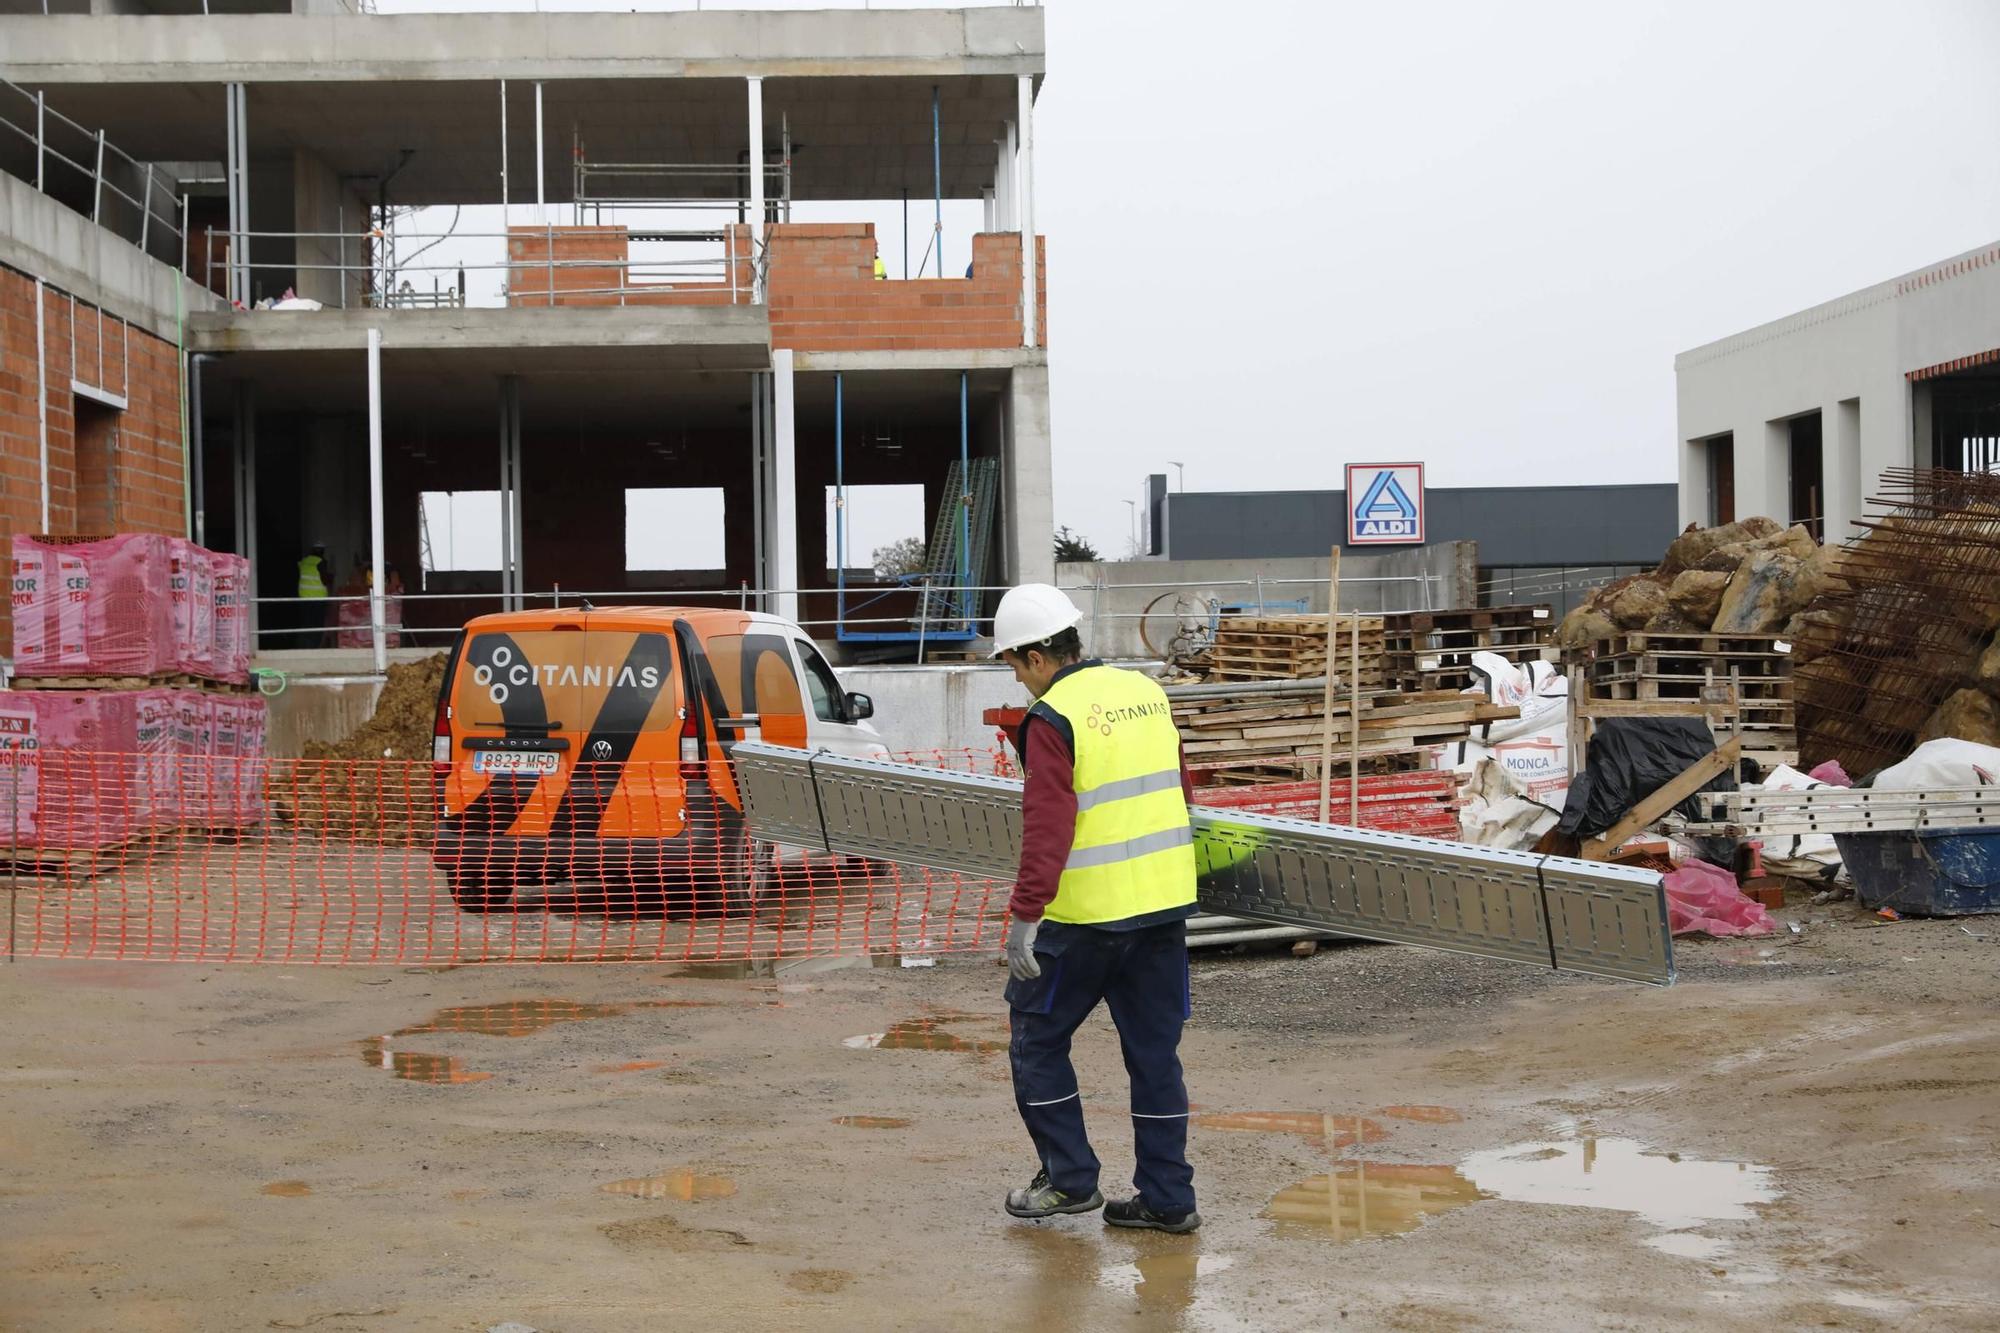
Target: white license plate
<point>538,762</point>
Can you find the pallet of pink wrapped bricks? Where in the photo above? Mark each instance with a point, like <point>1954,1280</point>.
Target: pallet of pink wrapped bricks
<point>129,719</point>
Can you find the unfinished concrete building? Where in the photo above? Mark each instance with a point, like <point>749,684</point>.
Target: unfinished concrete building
<point>645,376</point>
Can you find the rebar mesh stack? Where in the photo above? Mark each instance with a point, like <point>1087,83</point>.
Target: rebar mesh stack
<point>1916,600</point>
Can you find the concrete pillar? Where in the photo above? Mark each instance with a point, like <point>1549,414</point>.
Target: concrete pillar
<point>321,204</point>
<point>1030,521</point>
<point>782,526</point>
<point>1763,470</point>
<point>1840,469</point>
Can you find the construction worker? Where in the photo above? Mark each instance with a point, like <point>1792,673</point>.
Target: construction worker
<point>313,578</point>
<point>1099,912</point>
<point>312,573</point>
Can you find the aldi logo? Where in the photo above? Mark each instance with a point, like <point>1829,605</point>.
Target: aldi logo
<point>1385,504</point>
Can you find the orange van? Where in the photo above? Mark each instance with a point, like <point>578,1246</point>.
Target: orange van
<point>593,745</point>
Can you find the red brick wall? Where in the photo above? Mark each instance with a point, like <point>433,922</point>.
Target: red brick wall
<point>824,296</point>
<point>587,266</point>
<point>823,293</point>
<point>130,478</point>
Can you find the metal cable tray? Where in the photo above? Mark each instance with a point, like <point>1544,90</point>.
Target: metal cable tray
<point>1745,814</point>
<point>1576,916</point>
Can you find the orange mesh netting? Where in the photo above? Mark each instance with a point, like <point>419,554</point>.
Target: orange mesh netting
<point>208,859</point>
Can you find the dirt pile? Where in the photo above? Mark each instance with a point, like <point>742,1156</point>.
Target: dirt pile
<point>404,714</point>
<point>375,786</point>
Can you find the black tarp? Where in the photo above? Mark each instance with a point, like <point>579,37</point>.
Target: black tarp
<point>1631,758</point>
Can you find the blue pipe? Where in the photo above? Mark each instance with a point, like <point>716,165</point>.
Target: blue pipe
<point>839,511</point>
<point>964,509</point>
<point>937,179</point>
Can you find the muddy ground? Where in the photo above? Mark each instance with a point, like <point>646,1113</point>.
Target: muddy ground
<point>1800,1134</point>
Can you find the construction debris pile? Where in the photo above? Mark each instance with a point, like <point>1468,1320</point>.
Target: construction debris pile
<point>1880,658</point>
<point>370,802</point>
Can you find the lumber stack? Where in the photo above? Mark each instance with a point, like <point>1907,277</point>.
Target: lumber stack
<point>1293,648</point>
<point>1432,650</point>
<point>1256,736</point>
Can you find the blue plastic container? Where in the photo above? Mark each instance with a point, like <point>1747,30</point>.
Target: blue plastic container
<point>1931,872</point>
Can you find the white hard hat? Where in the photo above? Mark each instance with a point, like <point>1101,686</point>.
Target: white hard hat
<point>1029,614</point>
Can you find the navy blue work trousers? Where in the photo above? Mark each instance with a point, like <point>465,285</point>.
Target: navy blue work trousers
<point>1142,975</point>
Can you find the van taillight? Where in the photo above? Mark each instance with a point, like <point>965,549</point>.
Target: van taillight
<point>691,765</point>
<point>441,734</point>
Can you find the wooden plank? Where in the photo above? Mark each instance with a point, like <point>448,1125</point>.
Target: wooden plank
<point>1691,780</point>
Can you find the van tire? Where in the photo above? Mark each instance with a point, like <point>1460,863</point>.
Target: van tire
<point>752,868</point>
<point>476,892</point>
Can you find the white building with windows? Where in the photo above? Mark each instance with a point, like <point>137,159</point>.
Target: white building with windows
<point>1798,418</point>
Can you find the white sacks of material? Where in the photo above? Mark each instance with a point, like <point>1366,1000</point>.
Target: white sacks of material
<point>1520,766</point>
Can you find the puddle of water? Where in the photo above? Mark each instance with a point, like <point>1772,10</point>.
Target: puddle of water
<point>288,1189</point>
<point>1429,1115</point>
<point>926,1034</point>
<point>872,1121</point>
<point>418,1066</point>
<point>677,1184</point>
<point>513,1018</point>
<point>1624,1175</point>
<point>1689,1245</point>
<point>1338,1131</point>
<point>1359,1200</point>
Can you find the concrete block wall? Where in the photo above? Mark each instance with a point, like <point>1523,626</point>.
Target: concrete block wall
<point>108,469</point>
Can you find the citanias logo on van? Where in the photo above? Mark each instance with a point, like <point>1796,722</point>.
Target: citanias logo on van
<point>505,673</point>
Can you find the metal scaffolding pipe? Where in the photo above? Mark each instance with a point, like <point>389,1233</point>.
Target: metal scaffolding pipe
<point>377,591</point>
<point>42,396</point>
<point>541,185</point>
<point>937,182</point>
<point>756,95</point>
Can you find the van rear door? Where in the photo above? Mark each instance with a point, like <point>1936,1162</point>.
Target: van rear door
<point>516,723</point>
<point>625,784</point>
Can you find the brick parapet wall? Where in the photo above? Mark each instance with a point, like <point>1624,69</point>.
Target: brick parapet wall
<point>823,294</point>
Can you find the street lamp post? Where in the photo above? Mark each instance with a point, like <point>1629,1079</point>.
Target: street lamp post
<point>1133,505</point>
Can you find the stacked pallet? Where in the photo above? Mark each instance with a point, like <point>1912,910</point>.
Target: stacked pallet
<point>1432,650</point>
<point>1293,648</point>
<point>131,717</point>
<point>1644,666</point>
<point>1277,735</point>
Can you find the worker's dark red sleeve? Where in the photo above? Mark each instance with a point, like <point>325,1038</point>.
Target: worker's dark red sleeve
<point>1048,822</point>
<point>1187,779</point>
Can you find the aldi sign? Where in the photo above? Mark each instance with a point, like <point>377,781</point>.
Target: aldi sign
<point>1385,504</point>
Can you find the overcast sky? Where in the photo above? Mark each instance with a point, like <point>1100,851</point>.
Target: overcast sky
<point>1287,236</point>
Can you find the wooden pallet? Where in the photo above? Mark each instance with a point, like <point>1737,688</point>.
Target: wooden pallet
<point>1630,642</point>
<point>1469,618</point>
<point>1294,648</point>
<point>179,680</point>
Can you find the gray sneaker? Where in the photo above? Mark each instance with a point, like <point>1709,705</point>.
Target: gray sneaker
<point>1041,1199</point>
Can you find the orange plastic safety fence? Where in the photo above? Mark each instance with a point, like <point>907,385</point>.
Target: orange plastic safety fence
<point>176,858</point>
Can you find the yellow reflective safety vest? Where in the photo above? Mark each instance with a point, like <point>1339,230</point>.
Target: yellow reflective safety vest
<point>310,582</point>
<point>1133,853</point>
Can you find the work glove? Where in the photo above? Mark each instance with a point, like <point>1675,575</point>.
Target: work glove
<point>1021,963</point>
